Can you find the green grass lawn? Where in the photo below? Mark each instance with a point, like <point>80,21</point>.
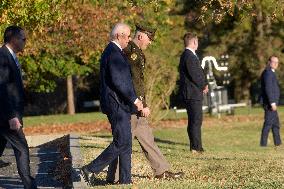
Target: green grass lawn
<point>94,116</point>
<point>63,119</point>
<point>233,158</point>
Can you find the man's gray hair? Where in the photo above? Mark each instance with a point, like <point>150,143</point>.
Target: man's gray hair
<point>119,28</point>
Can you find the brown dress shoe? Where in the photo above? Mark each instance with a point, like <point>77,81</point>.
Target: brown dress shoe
<point>4,164</point>
<point>170,175</point>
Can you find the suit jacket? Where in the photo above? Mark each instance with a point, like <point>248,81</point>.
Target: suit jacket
<point>192,77</point>
<point>11,88</point>
<point>116,87</point>
<point>270,91</point>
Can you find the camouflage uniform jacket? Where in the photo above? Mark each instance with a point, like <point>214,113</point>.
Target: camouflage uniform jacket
<point>137,61</point>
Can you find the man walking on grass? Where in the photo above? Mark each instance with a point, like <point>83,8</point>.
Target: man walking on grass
<point>117,100</point>
<point>12,102</point>
<point>140,128</point>
<point>270,93</point>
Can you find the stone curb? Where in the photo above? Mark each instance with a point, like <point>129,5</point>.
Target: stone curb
<point>77,162</point>
<point>36,140</point>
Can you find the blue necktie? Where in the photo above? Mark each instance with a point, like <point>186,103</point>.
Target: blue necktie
<point>18,63</point>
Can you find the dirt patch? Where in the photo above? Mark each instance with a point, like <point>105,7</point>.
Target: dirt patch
<point>68,128</point>
<point>105,126</point>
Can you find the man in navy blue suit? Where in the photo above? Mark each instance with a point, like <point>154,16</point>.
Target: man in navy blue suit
<point>118,100</point>
<point>270,94</point>
<point>12,102</point>
<point>193,85</point>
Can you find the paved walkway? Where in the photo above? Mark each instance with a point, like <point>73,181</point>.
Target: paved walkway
<point>44,156</point>
<point>43,161</point>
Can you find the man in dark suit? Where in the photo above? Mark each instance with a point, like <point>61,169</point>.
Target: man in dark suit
<point>117,101</point>
<point>193,85</point>
<point>270,94</point>
<point>12,101</point>
<point>140,128</point>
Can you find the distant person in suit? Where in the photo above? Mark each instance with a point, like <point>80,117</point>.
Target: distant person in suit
<point>270,93</point>
<point>117,97</point>
<point>12,101</point>
<point>193,85</point>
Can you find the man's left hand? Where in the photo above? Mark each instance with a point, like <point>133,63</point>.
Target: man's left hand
<point>15,124</point>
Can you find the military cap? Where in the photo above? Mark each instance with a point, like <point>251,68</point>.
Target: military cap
<point>146,29</point>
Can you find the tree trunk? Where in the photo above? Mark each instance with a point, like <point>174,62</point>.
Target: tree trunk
<point>260,36</point>
<point>242,90</point>
<point>70,96</point>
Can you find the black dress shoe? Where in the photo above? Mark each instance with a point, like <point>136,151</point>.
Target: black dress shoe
<point>111,182</point>
<point>87,175</point>
<point>170,175</point>
<point>4,164</point>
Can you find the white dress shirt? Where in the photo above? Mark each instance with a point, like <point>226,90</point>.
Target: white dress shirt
<point>273,103</point>
<point>117,45</point>
<point>193,51</point>
<point>14,56</point>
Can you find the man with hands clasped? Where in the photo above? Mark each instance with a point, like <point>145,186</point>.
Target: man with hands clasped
<point>140,129</point>
<point>117,97</point>
<point>193,85</point>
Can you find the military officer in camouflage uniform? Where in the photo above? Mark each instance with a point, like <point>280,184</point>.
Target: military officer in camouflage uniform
<point>139,125</point>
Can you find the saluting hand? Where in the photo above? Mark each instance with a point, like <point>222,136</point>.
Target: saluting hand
<point>15,124</point>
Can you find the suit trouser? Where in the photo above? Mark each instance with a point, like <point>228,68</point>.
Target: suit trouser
<point>3,143</point>
<point>271,121</point>
<point>143,133</point>
<point>19,144</point>
<point>194,112</point>
<point>120,146</point>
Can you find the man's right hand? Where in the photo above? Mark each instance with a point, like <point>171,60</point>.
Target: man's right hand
<point>15,124</point>
<point>273,107</point>
<point>206,89</point>
<point>138,103</point>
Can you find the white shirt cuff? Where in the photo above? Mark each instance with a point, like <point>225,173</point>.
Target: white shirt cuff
<point>136,100</point>
<point>273,104</point>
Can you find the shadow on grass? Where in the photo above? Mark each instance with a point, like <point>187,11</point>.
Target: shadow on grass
<point>95,136</point>
<point>170,142</point>
<point>201,157</point>
<point>92,146</point>
<point>103,182</point>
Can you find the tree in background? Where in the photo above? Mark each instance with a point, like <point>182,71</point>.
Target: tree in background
<point>71,47</point>
<point>33,15</point>
<point>69,37</point>
<point>66,39</point>
<point>249,31</point>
